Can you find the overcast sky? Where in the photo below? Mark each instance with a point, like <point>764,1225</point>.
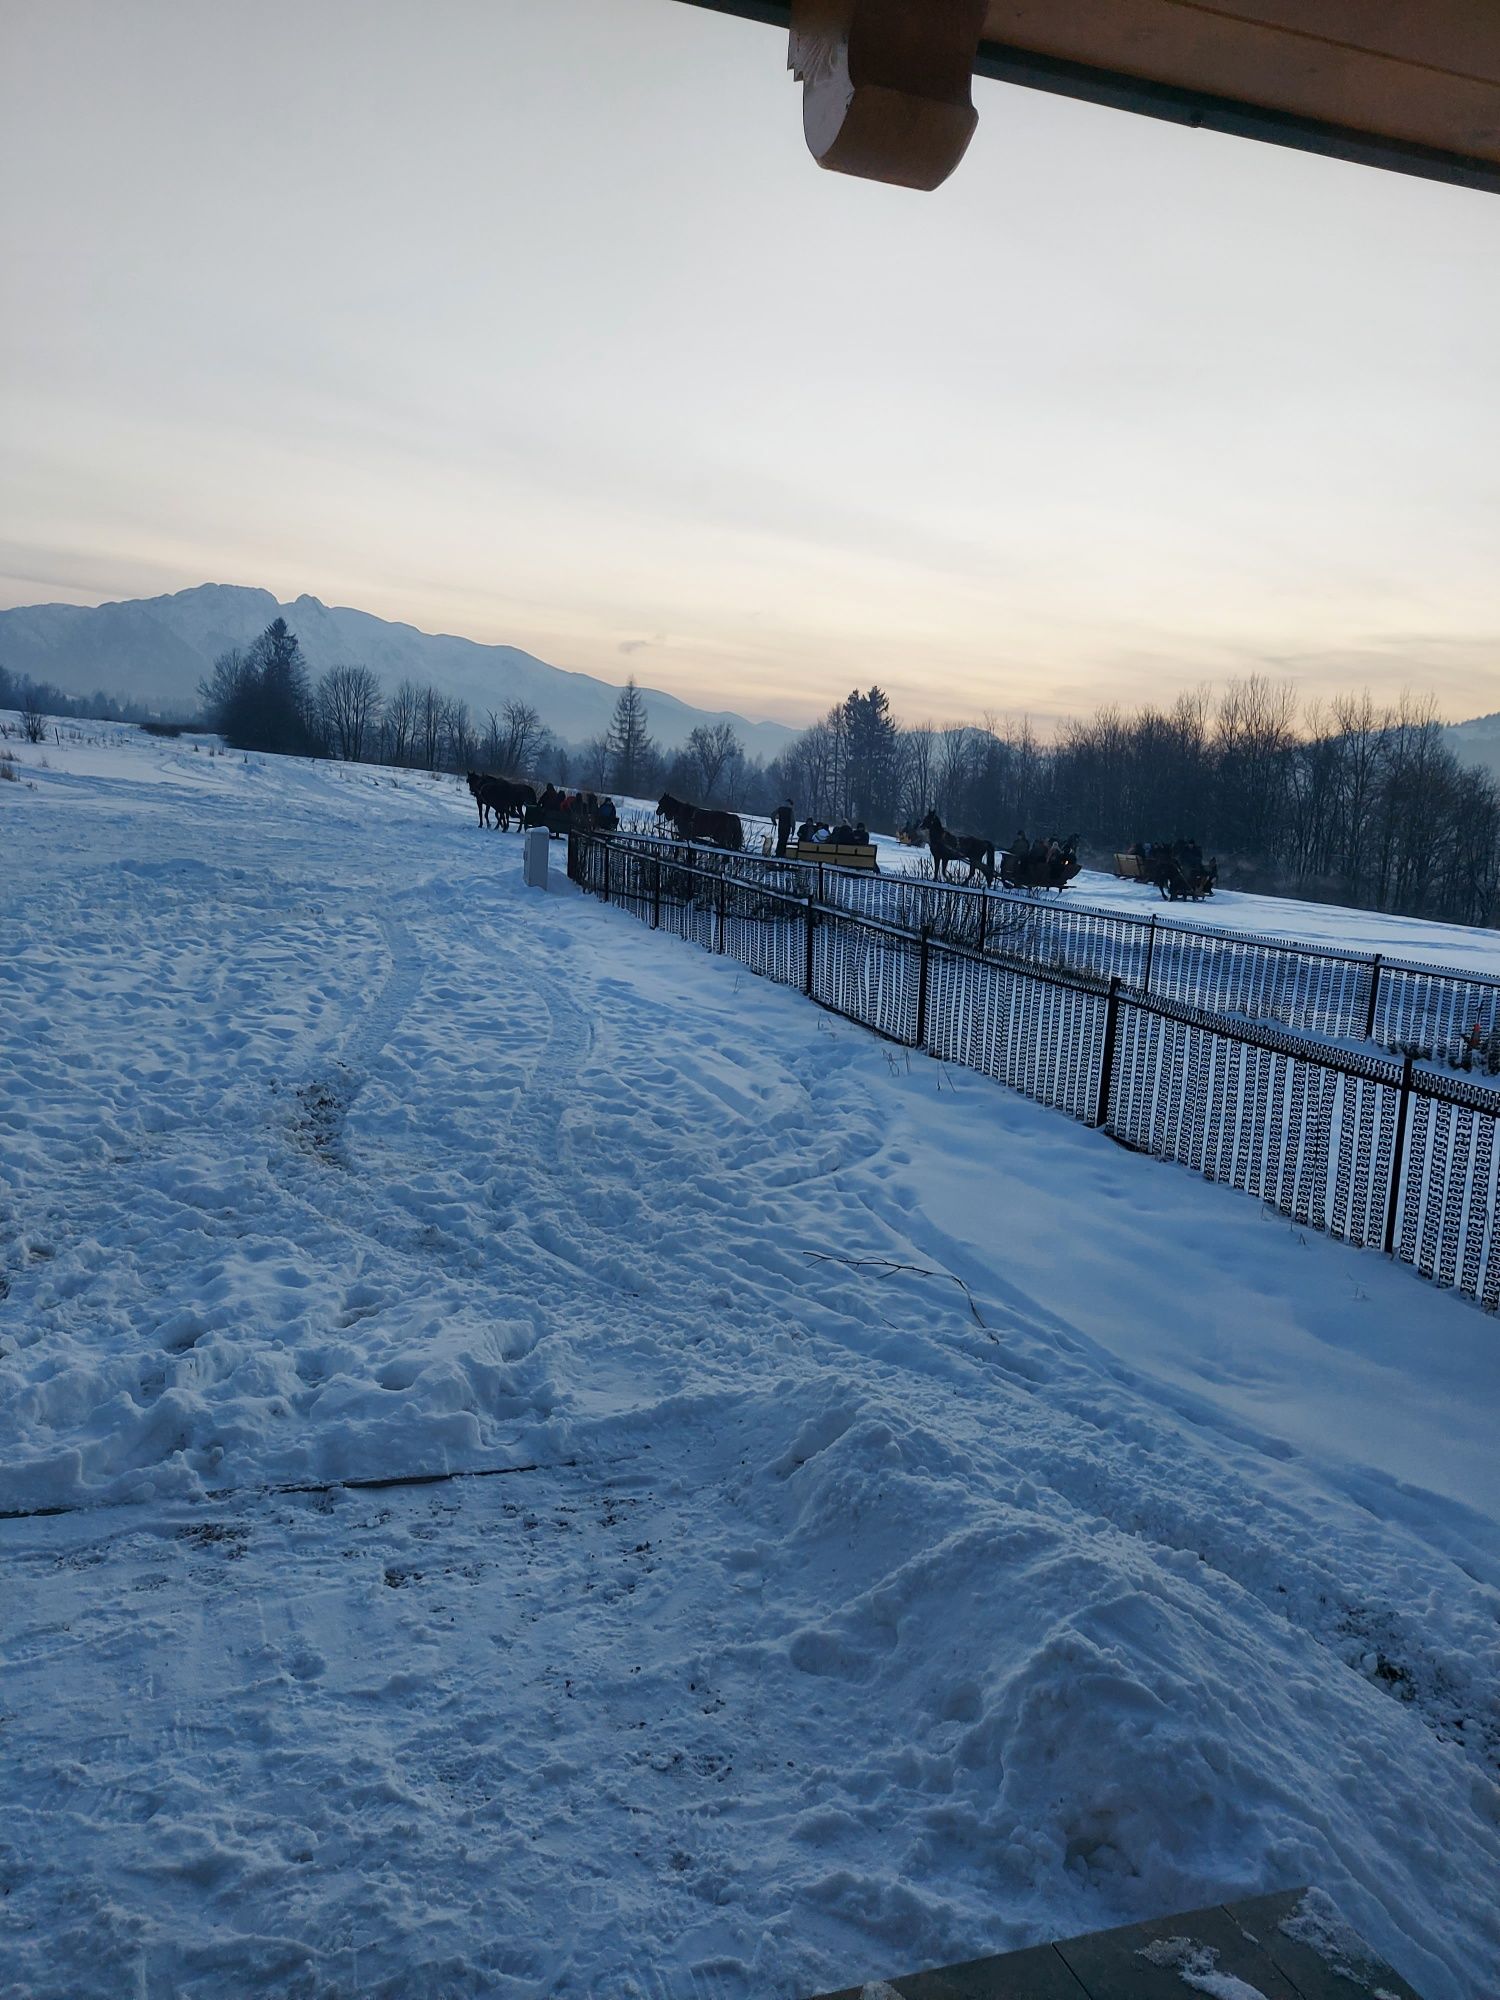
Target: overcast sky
<point>532,320</point>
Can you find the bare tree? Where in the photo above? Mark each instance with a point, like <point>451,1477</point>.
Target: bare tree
<point>592,768</point>
<point>401,713</point>
<point>432,711</point>
<point>459,747</point>
<point>709,750</point>
<point>812,769</point>
<point>916,765</point>
<point>349,709</point>
<point>1253,731</point>
<point>514,740</point>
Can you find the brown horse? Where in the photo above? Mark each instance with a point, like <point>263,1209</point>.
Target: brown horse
<point>504,797</point>
<point>706,823</point>
<point>945,847</point>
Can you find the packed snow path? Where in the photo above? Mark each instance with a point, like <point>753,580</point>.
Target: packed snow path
<point>853,1617</point>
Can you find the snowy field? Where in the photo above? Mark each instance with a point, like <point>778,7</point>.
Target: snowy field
<point>1462,947</point>
<point>1122,1551</point>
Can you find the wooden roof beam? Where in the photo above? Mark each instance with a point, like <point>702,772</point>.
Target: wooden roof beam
<point>1411,89</point>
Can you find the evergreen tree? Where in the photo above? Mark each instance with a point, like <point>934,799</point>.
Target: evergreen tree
<point>873,758</point>
<point>262,699</point>
<point>630,750</point>
<point>284,706</point>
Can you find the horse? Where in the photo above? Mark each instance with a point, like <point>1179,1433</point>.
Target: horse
<point>511,797</point>
<point>945,847</point>
<point>1180,882</point>
<point>706,823</point>
<point>479,788</point>
<point>503,797</point>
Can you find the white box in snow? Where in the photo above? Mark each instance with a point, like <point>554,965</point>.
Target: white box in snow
<point>534,859</point>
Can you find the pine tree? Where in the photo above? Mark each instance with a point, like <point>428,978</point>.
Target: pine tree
<point>279,694</point>
<point>873,768</point>
<point>629,747</point>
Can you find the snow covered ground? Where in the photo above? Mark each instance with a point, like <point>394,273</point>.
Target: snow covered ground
<point>1122,1551</point>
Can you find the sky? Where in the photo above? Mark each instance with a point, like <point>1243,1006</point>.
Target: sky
<point>533,320</point>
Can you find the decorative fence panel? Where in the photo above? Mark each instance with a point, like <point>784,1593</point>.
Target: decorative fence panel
<point>1447,1208</point>
<point>1435,1013</point>
<point>1039,1035</point>
<point>1306,1129</point>
<point>869,973</point>
<point>767,932</point>
<point>1374,1151</point>
<point>1300,986</point>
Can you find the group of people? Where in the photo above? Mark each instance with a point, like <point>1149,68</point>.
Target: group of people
<point>584,807</point>
<point>1186,853</point>
<point>1176,867</point>
<point>816,832</point>
<point>1042,852</point>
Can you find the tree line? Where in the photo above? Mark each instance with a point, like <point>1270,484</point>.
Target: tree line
<point>34,699</point>
<point>1349,803</point>
<point>264,697</point>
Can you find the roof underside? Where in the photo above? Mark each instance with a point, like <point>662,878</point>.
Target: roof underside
<point>1409,85</point>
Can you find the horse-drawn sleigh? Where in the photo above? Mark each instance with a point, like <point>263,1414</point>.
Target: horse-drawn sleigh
<point>1177,875</point>
<point>1035,867</point>
<point>573,812</point>
<point>1052,869</point>
<point>1185,881</point>
<point>561,814</point>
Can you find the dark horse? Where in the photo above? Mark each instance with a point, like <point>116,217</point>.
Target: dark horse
<point>945,847</point>
<point>719,829</point>
<point>1183,881</point>
<point>500,796</point>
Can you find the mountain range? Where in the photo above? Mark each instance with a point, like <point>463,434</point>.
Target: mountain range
<point>1476,742</point>
<point>155,650</point>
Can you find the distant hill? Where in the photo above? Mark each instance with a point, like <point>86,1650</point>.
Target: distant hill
<point>156,649</point>
<point>1476,743</point>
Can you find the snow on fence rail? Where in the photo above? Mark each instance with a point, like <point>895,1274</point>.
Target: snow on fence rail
<point>1371,1149</point>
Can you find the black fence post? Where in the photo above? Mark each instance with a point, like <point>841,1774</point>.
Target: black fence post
<point>656,892</point>
<point>1375,964</point>
<point>606,870</point>
<point>984,913</point>
<point>807,975</point>
<point>923,957</point>
<point>1150,955</point>
<point>1398,1158</point>
<point>1107,1058</point>
<point>723,898</point>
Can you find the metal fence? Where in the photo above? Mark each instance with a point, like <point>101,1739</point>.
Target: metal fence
<point>1375,1150</point>
<point>1395,1004</point>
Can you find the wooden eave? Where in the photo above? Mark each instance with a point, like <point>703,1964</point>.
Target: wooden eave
<point>1412,86</point>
